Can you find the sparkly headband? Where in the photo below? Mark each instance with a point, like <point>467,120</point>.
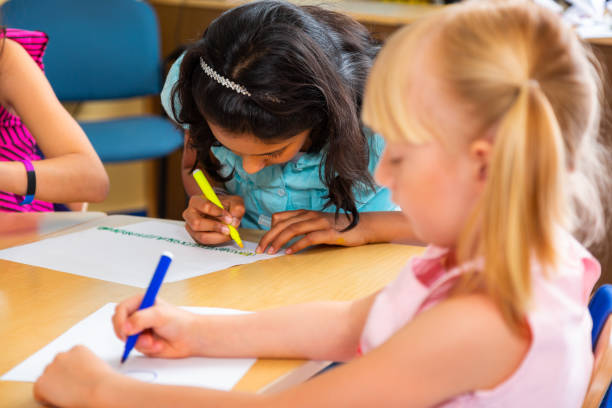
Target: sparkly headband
<point>222,80</point>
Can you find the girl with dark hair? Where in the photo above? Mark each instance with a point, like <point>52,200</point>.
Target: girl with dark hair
<point>270,98</point>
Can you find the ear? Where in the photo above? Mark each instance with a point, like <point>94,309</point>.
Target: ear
<point>480,153</point>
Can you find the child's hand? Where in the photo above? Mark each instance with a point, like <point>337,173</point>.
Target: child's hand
<point>317,228</point>
<point>71,379</point>
<point>207,223</point>
<point>166,329</point>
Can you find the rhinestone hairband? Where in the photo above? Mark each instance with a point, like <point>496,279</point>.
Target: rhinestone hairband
<point>222,80</point>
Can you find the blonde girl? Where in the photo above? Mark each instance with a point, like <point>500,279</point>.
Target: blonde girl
<point>490,112</point>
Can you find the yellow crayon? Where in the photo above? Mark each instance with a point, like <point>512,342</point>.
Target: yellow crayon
<point>210,195</point>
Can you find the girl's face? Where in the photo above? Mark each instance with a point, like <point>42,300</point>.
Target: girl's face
<point>256,154</point>
<point>437,184</point>
<point>435,188</point>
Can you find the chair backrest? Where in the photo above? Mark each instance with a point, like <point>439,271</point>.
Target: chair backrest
<point>107,49</point>
<point>600,308</point>
<point>599,386</point>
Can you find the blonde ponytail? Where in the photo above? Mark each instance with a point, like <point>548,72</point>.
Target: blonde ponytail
<point>522,201</point>
<point>518,73</point>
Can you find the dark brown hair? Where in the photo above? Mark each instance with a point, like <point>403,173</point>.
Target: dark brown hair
<point>305,68</point>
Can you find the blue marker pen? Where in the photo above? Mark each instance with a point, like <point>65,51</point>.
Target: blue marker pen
<point>149,297</point>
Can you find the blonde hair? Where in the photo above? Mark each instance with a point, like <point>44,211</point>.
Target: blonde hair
<point>529,80</point>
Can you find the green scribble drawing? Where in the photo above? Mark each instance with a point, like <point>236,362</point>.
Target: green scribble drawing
<point>176,241</point>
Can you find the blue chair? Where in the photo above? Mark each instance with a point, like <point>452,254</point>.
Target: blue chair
<point>102,50</point>
<point>600,306</point>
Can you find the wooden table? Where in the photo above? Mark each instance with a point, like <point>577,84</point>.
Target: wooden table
<point>37,305</point>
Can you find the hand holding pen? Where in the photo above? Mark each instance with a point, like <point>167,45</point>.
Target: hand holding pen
<point>149,299</point>
<point>152,326</point>
<point>212,219</point>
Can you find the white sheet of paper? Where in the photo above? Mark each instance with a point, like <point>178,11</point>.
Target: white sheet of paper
<point>96,333</point>
<point>129,254</point>
<point>57,221</point>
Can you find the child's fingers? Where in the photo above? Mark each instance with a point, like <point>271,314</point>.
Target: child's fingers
<point>293,227</point>
<point>312,238</point>
<point>297,229</point>
<point>197,217</point>
<point>277,228</point>
<point>202,224</point>
<point>41,387</point>
<point>234,205</point>
<point>122,311</point>
<point>152,345</point>
<point>149,344</point>
<point>144,319</point>
<point>285,215</point>
<point>209,238</point>
<point>144,342</point>
<point>199,205</point>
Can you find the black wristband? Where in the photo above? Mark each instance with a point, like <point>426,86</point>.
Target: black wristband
<point>31,189</point>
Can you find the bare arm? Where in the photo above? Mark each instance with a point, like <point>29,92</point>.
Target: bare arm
<point>460,345</point>
<point>315,331</point>
<point>325,228</point>
<point>388,226</point>
<point>321,330</point>
<point>71,170</point>
<point>318,331</point>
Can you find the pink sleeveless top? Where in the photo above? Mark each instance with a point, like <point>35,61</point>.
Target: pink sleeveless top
<point>16,142</point>
<point>557,367</point>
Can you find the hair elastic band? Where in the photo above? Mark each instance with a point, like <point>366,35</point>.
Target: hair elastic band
<point>223,80</point>
<point>29,197</point>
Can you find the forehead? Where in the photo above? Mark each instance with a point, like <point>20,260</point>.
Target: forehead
<point>249,144</point>
<point>434,104</point>
<point>408,94</point>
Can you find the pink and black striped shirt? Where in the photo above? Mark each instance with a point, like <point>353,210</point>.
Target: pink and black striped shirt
<point>16,142</point>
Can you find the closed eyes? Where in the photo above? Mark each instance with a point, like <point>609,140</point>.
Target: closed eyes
<point>274,154</point>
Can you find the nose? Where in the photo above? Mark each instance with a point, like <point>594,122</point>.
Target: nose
<point>252,164</point>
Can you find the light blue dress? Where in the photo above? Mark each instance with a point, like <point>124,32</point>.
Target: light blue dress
<point>289,186</point>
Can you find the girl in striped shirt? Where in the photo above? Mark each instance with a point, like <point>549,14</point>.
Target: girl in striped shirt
<point>45,157</point>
